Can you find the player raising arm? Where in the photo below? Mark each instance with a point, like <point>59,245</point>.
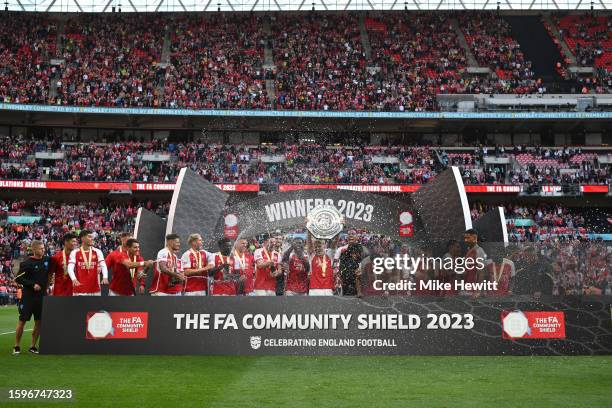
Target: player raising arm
<point>322,279</point>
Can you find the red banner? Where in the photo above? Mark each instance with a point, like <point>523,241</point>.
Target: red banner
<point>594,188</point>
<point>153,186</point>
<point>239,188</point>
<point>365,188</point>
<point>104,186</point>
<point>397,188</point>
<point>242,188</point>
<point>493,189</point>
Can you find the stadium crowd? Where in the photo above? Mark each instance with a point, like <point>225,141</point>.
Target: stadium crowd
<point>216,62</point>
<point>281,163</point>
<point>320,64</point>
<point>318,61</point>
<point>588,37</point>
<point>26,47</point>
<point>109,60</point>
<point>549,221</point>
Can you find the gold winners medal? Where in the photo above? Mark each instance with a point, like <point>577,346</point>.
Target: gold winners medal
<point>198,257</point>
<point>242,260</point>
<point>133,270</point>
<point>65,265</point>
<point>86,260</point>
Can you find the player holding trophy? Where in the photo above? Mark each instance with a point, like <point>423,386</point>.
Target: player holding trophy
<point>324,223</point>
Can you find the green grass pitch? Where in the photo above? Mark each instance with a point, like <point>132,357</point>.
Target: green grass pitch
<point>367,381</point>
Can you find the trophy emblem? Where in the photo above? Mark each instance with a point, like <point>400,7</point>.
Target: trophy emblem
<point>516,324</point>
<point>324,222</point>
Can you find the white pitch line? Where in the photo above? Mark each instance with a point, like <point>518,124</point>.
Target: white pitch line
<point>13,332</point>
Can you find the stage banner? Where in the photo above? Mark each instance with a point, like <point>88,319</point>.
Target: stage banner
<point>492,226</point>
<point>149,230</point>
<point>371,212</point>
<point>196,205</point>
<point>443,207</point>
<point>327,326</point>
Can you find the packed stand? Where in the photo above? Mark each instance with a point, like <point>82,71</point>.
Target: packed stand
<point>580,268</point>
<point>320,63</point>
<point>27,43</point>
<point>308,163</point>
<point>313,163</point>
<point>216,62</point>
<point>110,60</point>
<point>418,56</point>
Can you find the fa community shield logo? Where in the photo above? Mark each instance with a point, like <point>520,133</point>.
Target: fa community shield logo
<point>255,342</point>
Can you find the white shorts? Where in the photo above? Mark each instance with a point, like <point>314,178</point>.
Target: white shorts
<point>261,292</point>
<point>166,294</point>
<point>87,294</point>
<point>111,293</point>
<point>196,293</point>
<point>320,292</point>
<point>292,293</point>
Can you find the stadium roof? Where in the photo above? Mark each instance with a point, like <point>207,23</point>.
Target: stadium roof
<point>296,5</point>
